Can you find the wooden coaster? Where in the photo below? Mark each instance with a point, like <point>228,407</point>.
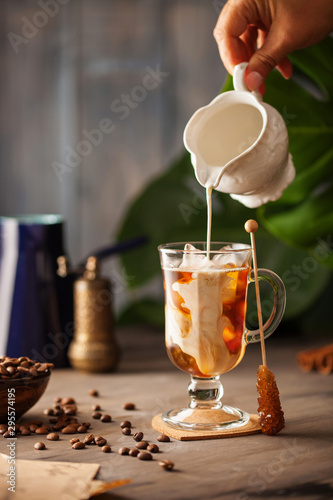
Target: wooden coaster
<point>252,427</point>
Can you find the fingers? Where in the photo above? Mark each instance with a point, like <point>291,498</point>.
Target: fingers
<point>232,36</point>
<point>271,54</point>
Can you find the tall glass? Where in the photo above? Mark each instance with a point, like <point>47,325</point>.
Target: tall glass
<point>205,332</point>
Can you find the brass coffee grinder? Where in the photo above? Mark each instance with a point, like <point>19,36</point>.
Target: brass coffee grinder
<point>94,347</point>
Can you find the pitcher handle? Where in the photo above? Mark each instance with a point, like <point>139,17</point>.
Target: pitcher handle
<point>251,336</point>
<point>239,80</point>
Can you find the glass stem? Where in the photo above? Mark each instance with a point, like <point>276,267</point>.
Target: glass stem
<point>205,393</point>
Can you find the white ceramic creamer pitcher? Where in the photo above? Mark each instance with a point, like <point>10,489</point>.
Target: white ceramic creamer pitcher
<point>239,145</point>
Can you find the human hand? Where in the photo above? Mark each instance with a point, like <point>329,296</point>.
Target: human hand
<point>264,32</point>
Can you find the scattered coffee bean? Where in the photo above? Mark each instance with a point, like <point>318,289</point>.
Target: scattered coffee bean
<point>70,411</point>
<point>58,412</point>
<point>74,440</point>
<point>39,446</point>
<point>57,428</point>
<point>134,452</point>
<point>123,451</point>
<point>100,441</point>
<point>8,434</point>
<point>96,407</point>
<point>142,445</point>
<point>129,406</point>
<point>126,431</point>
<point>86,425</point>
<point>33,427</point>
<point>94,393</point>
<point>48,411</point>
<point>53,420</point>
<point>166,464</point>
<point>57,400</point>
<point>153,448</point>
<point>163,438</point>
<point>78,445</point>
<point>69,430</point>
<point>106,449</point>
<point>144,455</point>
<point>81,429</point>
<point>138,436</point>
<point>106,418</point>
<point>25,431</point>
<point>68,401</point>
<point>96,414</point>
<point>42,430</point>
<point>53,436</point>
<point>89,439</point>
<point>125,423</point>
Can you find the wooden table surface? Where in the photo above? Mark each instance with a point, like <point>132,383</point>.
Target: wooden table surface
<point>295,464</point>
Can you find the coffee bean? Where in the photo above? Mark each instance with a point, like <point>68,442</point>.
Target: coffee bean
<point>89,439</point>
<point>126,423</point>
<point>69,430</point>
<point>23,370</point>
<point>39,446</point>
<point>57,400</point>
<point>153,448</point>
<point>53,436</point>
<point>70,411</point>
<point>94,393</point>
<point>32,371</point>
<point>126,431</point>
<point>42,368</point>
<point>57,428</point>
<point>9,434</point>
<point>86,425</point>
<point>129,406</point>
<point>96,407</point>
<point>42,430</point>
<point>123,451</point>
<point>106,418</point>
<point>106,449</point>
<point>78,445</point>
<point>53,420</point>
<point>134,452</point>
<point>144,455</point>
<point>48,411</point>
<point>58,412</point>
<point>25,432</point>
<point>138,436</point>
<point>33,427</point>
<point>74,440</point>
<point>142,445</point>
<point>68,401</point>
<point>163,438</point>
<point>166,464</point>
<point>100,442</point>
<point>96,415</point>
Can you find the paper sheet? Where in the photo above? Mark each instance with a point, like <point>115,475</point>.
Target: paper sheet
<point>38,480</point>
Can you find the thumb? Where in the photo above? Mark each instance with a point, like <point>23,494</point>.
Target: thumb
<point>267,57</point>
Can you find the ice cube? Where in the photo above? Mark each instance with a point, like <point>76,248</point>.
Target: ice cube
<point>193,258</point>
<point>234,259</point>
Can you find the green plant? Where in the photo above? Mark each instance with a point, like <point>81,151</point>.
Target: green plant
<point>295,238</point>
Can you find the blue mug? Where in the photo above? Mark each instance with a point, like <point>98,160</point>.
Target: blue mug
<point>36,306</point>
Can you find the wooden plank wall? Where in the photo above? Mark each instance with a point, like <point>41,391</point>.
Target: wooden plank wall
<point>71,73</point>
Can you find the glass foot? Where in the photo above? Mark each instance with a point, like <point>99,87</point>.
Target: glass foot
<point>206,419</point>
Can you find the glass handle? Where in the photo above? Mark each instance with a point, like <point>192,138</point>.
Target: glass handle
<point>251,336</point>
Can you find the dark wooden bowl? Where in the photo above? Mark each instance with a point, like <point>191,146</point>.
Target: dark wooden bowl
<point>28,390</point>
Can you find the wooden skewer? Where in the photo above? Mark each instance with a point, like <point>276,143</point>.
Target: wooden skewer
<point>251,226</point>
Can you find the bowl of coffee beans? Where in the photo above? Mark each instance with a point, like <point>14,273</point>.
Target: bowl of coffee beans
<point>22,382</point>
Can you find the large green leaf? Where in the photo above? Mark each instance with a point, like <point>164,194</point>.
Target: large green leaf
<point>303,217</point>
